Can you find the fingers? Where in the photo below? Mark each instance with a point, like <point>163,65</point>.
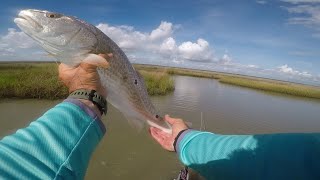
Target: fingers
<point>155,134</point>
<point>159,132</point>
<point>65,73</point>
<point>96,61</point>
<point>177,124</point>
<point>106,56</point>
<point>64,67</point>
<point>171,120</point>
<point>162,138</point>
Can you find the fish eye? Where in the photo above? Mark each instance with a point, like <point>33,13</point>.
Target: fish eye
<point>157,116</point>
<point>52,15</point>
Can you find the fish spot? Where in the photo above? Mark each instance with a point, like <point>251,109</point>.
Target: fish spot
<point>157,116</point>
<point>135,81</point>
<point>125,77</point>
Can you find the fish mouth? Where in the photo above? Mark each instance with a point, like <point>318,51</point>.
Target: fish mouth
<point>26,22</point>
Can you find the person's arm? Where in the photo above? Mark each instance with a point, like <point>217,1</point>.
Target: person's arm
<point>57,145</point>
<point>265,156</point>
<point>269,156</point>
<point>208,153</point>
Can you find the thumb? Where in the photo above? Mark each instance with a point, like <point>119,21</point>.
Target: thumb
<point>170,120</point>
<point>88,67</point>
<point>96,60</point>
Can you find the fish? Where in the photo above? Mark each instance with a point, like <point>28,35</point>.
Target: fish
<point>72,41</point>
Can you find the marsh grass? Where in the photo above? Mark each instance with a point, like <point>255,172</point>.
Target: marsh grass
<point>157,83</point>
<point>273,86</point>
<point>40,80</point>
<point>178,71</point>
<point>243,81</point>
<point>31,81</point>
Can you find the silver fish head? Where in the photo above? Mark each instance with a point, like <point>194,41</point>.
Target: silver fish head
<point>62,36</point>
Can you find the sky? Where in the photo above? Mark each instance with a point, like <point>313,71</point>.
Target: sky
<point>277,39</point>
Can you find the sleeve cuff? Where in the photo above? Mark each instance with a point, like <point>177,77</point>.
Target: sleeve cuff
<point>88,110</point>
<point>181,136</point>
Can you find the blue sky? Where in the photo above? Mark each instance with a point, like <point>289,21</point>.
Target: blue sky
<point>270,38</point>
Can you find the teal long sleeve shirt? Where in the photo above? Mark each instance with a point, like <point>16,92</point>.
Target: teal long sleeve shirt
<point>270,156</point>
<point>59,144</point>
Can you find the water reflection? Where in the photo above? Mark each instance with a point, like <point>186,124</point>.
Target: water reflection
<point>232,109</point>
<point>126,154</point>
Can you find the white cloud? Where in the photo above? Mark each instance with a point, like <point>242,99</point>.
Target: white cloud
<point>125,36</point>
<point>252,66</point>
<point>306,12</point>
<point>225,60</point>
<point>168,46</point>
<point>15,40</point>
<point>159,42</point>
<point>288,70</point>
<point>196,51</point>
<point>163,31</point>
<point>261,2</point>
<point>16,45</point>
<point>301,1</point>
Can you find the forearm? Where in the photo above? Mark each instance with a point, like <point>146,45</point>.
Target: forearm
<point>196,147</point>
<point>270,156</point>
<point>58,144</point>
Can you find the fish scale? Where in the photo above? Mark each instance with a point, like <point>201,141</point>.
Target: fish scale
<point>71,40</point>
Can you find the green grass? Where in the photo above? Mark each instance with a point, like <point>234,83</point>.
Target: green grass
<point>158,83</point>
<point>272,86</point>
<point>243,81</point>
<point>40,80</point>
<point>178,71</point>
<point>31,81</point>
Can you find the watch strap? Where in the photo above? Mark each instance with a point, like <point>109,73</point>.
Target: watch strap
<point>92,96</point>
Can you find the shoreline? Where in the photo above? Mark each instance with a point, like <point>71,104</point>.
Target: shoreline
<point>224,73</point>
<point>257,83</point>
<point>40,80</point>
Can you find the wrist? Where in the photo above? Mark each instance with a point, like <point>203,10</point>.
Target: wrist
<point>92,96</point>
<point>92,107</point>
<point>100,91</point>
<point>89,109</point>
<point>178,138</point>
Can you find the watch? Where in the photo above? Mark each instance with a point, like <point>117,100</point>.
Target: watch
<point>92,96</point>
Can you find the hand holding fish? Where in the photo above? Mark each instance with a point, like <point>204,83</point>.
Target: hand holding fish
<point>166,140</point>
<point>73,42</point>
<point>83,76</point>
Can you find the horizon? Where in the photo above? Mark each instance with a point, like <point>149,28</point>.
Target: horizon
<point>277,39</point>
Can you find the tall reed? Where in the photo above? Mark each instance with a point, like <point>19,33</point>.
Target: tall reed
<point>40,80</point>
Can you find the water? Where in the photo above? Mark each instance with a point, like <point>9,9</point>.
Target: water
<point>126,154</point>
